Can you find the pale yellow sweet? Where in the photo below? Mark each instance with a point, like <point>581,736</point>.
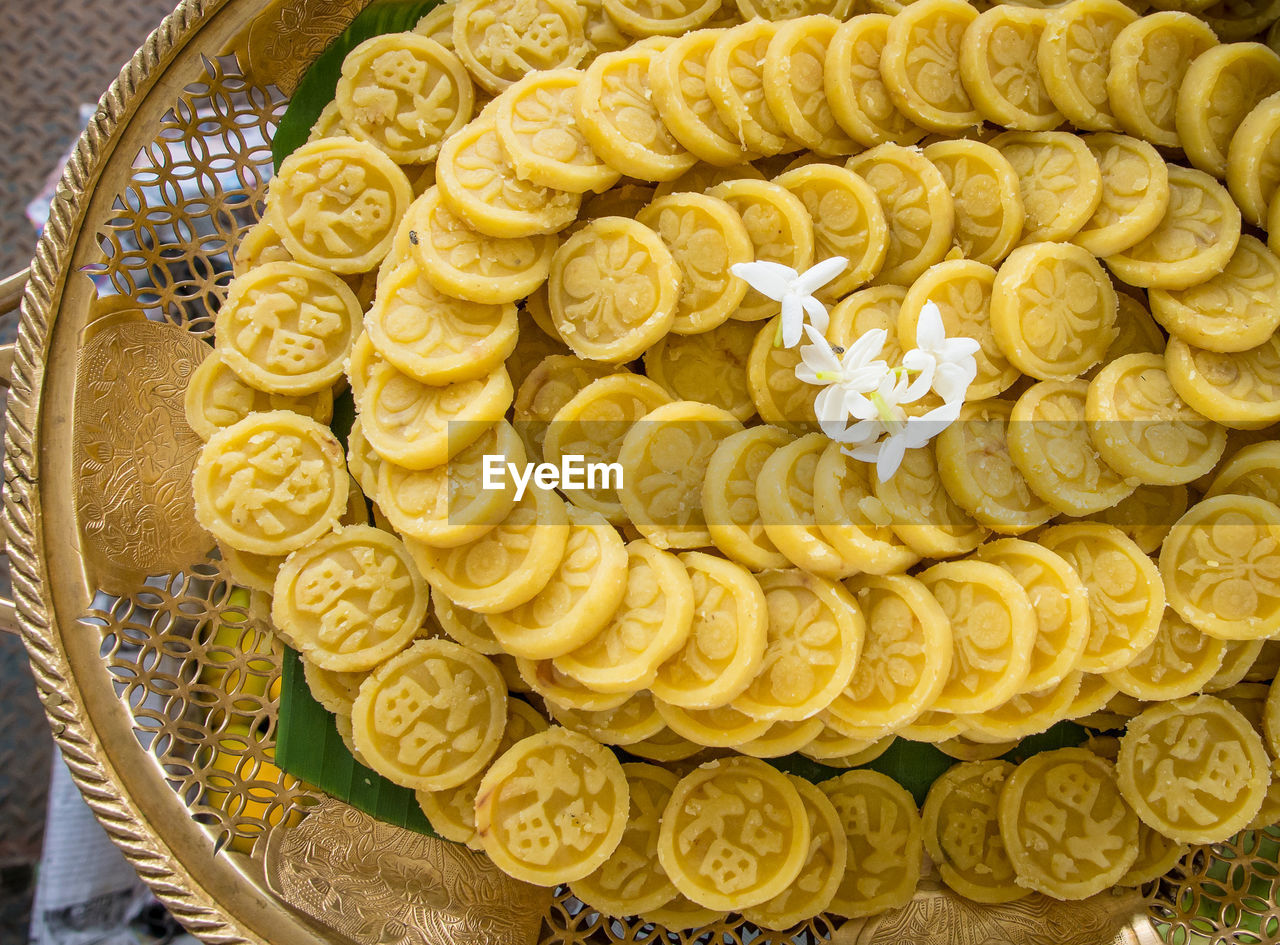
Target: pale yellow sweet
<point>501,42</point>
<point>577,601</point>
<point>711,367</point>
<point>1255,471</point>
<point>1179,662</point>
<point>1149,62</point>
<point>920,65</point>
<point>920,511</point>
<point>785,499</point>
<point>650,625</point>
<point>635,720</point>
<point>1095,692</point>
<point>782,738</point>
<point>1074,56</point>
<point>216,398</point>
<point>791,9</point>
<point>814,636</point>
<point>1049,442</point>
<point>253,571</point>
<point>632,880</point>
<point>509,564</point>
<point>616,113</point>
<point>287,328</point>
<point>1059,178</point>
<point>962,832</point>
<point>855,90</point>
<point>677,78</point>
<point>553,808</point>
<point>431,717</point>
<point>1157,855</point>
<point>1234,311</point>
<point>477,183</point>
<point>404,93</point>
<point>418,425</point>
<point>734,834</point>
<point>1220,565</point>
<point>644,282</point>
<point>1143,430</point>
<point>794,84</point>
<point>257,245</point>
<point>1027,713</point>
<point>1126,593</point>
<point>1221,86</point>
<point>336,203</point>
<point>729,497</point>
<point>349,600</point>
<point>905,660</point>
<point>1192,243</point>
<point>985,193</point>
<point>780,397</point>
<point>851,519</point>
<point>1135,194</point>
<point>837,750</point>
<point>705,237</point>
<point>665,747</point>
<point>464,626</point>
<point>334,690</point>
<point>447,506</point>
<point>1001,72</point>
<point>735,85</point>
<point>1066,829</point>
<point>1060,601</point>
<point>1138,331</point>
<point>1240,391</point>
<point>360,364</point>
<point>993,630</point>
<point>550,385</point>
<point>682,914</point>
<point>721,727</point>
<point>934,727</point>
<point>811,892</point>
<point>563,691</point>
<point>1193,769</point>
<point>364,464</point>
<point>1253,171</point>
<point>885,836</point>
<point>466,264</point>
<point>702,177</point>
<point>650,18</point>
<point>664,460</point>
<point>271,483</point>
<point>726,643</point>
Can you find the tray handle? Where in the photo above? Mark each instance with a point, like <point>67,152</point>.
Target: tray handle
<point>11,290</point>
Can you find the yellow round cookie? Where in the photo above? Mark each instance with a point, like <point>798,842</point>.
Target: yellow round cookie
<point>1049,442</point>
<point>734,834</point>
<point>905,659</point>
<point>852,520</point>
<point>1157,855</point>
<point>632,880</point>
<point>1143,430</point>
<point>1126,594</point>
<point>271,483</point>
<point>1027,713</point>
<point>463,263</point>
<point>975,467</point>
<point>465,626</point>
<point>360,364</point>
<point>1193,769</point>
<point>711,367</point>
<point>779,395</point>
<point>867,310</point>
<point>794,84</point>
<point>617,114</point>
<point>1074,57</point>
<point>1138,331</point>
<point>993,629</point>
<point>1221,86</point>
<point>962,832</point>
<point>255,572</point>
<point>682,914</point>
<point>813,889</point>
<point>702,177</point>
<point>705,237</point>
<point>418,425</point>
<point>1179,662</point>
<point>934,727</point>
<point>782,738</point>
<point>962,290</point>
<point>884,833</point>
<point>920,65</point>
<point>452,811</point>
<point>502,42</point>
<point>791,9</point>
<point>650,18</point>
<point>722,727</point>
<point>633,721</point>
<point>917,207</point>
<point>217,398</point>
<point>335,691</point>
<point>350,600</point>
<point>1149,62</point>
<point>735,85</point>
<point>729,497</point>
<point>1236,390</point>
<point>362,461</point>
<point>678,80</point>
<point>847,221</point>
<point>837,750</point>
<point>546,389</point>
<point>780,230</point>
<point>1192,243</point>
<point>477,183</point>
<point>509,564</point>
<point>1066,829</point>
<point>786,504</point>
<point>431,717</point>
<point>1255,471</point>
<point>1220,566</point>
<point>536,127</point>
<point>814,636</point>
<point>287,328</point>
<point>644,286</point>
<point>336,203</point>
<point>1094,693</point>
<point>257,245</point>
<point>985,194</point>
<point>921,512</point>
<point>664,460</point>
<point>564,692</point>
<point>1253,160</point>
<point>404,93</point>
<point>1000,70</point>
<point>1234,311</point>
<point>1135,194</point>
<point>553,808</point>
<point>1059,179</point>
<point>665,747</point>
<point>855,90</point>
<point>726,643</point>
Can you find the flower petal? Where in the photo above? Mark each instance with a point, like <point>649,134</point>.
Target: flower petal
<point>768,278</point>
<point>892,452</point>
<point>792,320</point>
<point>930,332</point>
<point>816,311</point>
<point>866,348</point>
<point>818,275</point>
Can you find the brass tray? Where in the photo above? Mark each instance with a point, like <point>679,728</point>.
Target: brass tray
<point>120,605</point>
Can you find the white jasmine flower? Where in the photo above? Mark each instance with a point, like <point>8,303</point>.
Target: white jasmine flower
<point>907,433</point>
<point>949,363</point>
<point>794,290</point>
<point>843,375</point>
